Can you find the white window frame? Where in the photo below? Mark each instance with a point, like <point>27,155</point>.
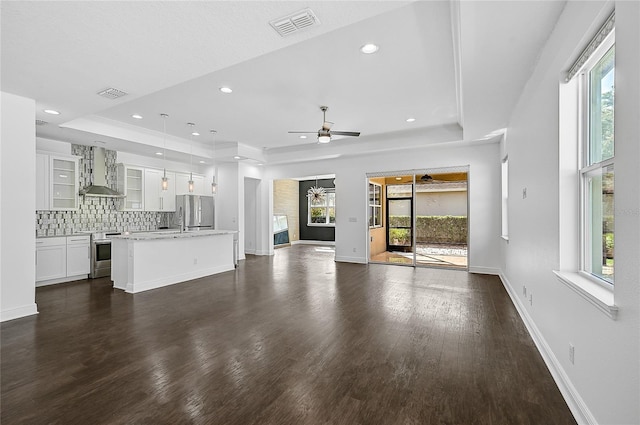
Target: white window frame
<point>572,131</point>
<point>586,169</point>
<point>375,206</point>
<point>326,206</point>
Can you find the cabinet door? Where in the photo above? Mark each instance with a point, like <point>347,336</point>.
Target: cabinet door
<point>134,188</point>
<point>63,185</point>
<point>198,182</point>
<point>51,262</point>
<point>152,189</point>
<point>78,256</point>
<point>182,184</point>
<point>168,197</point>
<point>42,182</point>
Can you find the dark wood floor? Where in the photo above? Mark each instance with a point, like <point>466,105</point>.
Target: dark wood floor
<point>290,339</point>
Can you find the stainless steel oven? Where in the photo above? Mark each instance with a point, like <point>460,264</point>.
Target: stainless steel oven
<point>101,254</point>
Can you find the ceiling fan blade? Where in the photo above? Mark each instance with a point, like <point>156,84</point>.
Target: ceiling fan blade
<point>345,133</point>
<point>305,132</point>
<point>327,125</point>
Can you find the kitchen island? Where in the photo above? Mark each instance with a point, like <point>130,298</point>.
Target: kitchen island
<point>144,261</point>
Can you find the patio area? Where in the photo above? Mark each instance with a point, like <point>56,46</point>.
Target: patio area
<point>433,255</point>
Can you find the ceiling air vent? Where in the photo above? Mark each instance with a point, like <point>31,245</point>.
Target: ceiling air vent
<point>290,24</point>
<point>41,122</point>
<point>112,93</point>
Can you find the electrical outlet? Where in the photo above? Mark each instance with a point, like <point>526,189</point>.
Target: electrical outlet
<point>524,193</point>
<point>195,261</point>
<point>530,298</point>
<point>572,353</point>
<point>524,291</point>
<point>354,250</point>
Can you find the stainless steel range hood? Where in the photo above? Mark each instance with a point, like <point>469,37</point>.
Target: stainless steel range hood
<point>99,187</point>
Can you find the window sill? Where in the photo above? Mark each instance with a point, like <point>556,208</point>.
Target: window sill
<point>597,295</point>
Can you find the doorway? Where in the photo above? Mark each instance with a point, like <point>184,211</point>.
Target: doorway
<point>425,218</point>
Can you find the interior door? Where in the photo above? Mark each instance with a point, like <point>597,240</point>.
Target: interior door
<point>400,224</point>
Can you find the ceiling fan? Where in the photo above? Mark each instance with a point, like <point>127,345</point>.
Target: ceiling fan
<point>325,133</point>
<point>442,178</point>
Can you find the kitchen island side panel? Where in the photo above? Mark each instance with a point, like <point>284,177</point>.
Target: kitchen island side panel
<point>154,263</point>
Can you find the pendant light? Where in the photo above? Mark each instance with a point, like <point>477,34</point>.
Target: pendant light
<point>165,180</point>
<point>214,185</point>
<point>191,184</point>
<point>316,194</point>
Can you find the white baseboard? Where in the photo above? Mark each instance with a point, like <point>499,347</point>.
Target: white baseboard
<point>250,251</point>
<point>18,312</point>
<point>176,279</point>
<point>261,252</point>
<point>61,280</point>
<point>307,242</point>
<point>358,260</point>
<point>484,270</point>
<point>576,404</point>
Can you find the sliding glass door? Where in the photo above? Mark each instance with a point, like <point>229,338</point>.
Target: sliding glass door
<point>424,218</point>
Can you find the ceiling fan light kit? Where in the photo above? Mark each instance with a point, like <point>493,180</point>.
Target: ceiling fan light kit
<point>324,134</point>
<point>324,138</point>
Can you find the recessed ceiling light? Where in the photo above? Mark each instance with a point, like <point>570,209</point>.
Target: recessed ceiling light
<point>136,116</point>
<point>202,162</point>
<point>195,133</point>
<point>225,90</point>
<point>236,157</point>
<point>159,153</point>
<point>303,137</point>
<point>52,112</point>
<point>411,119</point>
<point>369,48</point>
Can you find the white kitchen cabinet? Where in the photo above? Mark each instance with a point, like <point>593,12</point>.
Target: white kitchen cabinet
<point>63,187</point>
<point>131,184</point>
<point>78,256</point>
<point>42,182</point>
<point>51,258</point>
<point>156,199</point>
<point>182,184</point>
<point>56,182</point>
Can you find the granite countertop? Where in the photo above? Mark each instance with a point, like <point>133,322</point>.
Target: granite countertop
<point>64,236</point>
<point>172,234</point>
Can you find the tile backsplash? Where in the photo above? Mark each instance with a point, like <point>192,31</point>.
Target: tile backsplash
<point>97,214</point>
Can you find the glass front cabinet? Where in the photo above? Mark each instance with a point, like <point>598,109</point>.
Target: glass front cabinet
<point>63,183</point>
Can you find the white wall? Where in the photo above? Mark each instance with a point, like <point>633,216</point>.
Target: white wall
<point>227,197</point>
<point>17,207</point>
<point>250,214</point>
<point>351,195</point>
<point>603,385</point>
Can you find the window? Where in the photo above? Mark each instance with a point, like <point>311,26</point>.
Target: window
<point>597,88</point>
<point>322,212</point>
<point>505,198</point>
<point>375,205</point>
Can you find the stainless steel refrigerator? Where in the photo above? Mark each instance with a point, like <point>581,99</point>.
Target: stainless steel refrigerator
<point>195,212</point>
